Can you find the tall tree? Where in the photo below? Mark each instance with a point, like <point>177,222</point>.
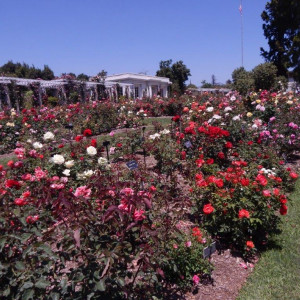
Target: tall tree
<point>178,73</point>
<point>282,30</point>
<point>83,77</point>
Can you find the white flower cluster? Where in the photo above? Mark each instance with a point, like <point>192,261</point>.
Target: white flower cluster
<point>48,136</point>
<point>157,135</point>
<point>102,161</point>
<point>85,174</point>
<point>268,171</point>
<point>37,145</point>
<point>91,151</point>
<point>57,159</point>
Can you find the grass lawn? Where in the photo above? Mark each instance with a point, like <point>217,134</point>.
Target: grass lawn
<point>164,121</point>
<point>277,274</point>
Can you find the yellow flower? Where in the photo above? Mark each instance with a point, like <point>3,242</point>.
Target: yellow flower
<point>249,114</point>
<point>258,101</point>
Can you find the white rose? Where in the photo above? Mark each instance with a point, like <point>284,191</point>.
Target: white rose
<point>66,172</point>
<point>69,164</point>
<point>228,108</point>
<point>165,131</point>
<point>210,109</point>
<point>102,161</point>
<point>154,136</point>
<point>37,145</point>
<point>232,98</point>
<point>58,159</point>
<point>217,117</point>
<point>91,151</point>
<point>236,118</point>
<point>48,136</point>
<point>88,173</point>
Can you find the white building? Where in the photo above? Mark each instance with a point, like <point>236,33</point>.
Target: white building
<point>140,85</point>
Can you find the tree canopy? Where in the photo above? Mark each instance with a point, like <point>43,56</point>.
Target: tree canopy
<point>282,30</point>
<point>177,72</point>
<point>19,70</point>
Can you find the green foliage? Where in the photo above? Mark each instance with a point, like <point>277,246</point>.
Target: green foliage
<point>275,273</point>
<point>243,81</point>
<point>83,77</point>
<point>53,101</point>
<point>264,76</point>
<point>25,71</point>
<point>177,72</point>
<point>282,30</point>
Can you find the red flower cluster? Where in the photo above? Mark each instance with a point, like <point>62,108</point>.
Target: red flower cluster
<point>197,233</point>
<point>208,209</point>
<point>243,213</point>
<point>87,132</point>
<point>213,131</point>
<point>10,183</point>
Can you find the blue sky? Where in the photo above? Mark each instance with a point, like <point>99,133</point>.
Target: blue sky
<point>86,36</point>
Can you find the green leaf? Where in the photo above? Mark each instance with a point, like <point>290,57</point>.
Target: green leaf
<point>54,296</point>
<point>42,283</point>
<point>28,294</point>
<point>27,285</point>
<point>89,296</point>
<point>20,266</point>
<point>121,281</point>
<point>6,292</point>
<point>100,285</point>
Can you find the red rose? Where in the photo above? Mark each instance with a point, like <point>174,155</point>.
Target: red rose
<point>283,209</point>
<point>293,175</point>
<point>10,164</point>
<point>228,145</point>
<point>221,155</point>
<point>219,183</point>
<point>245,181</point>
<point>87,132</point>
<point>183,155</point>
<point>267,193</point>
<point>250,244</point>
<point>61,146</point>
<point>243,213</point>
<point>78,138</point>
<point>208,209</point>
<point>176,118</point>
<point>12,183</point>
<point>1,168</point>
<point>20,201</point>
<point>94,143</point>
<point>210,161</point>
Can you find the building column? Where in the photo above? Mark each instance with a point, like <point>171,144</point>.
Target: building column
<point>40,95</point>
<point>150,91</point>
<point>6,90</point>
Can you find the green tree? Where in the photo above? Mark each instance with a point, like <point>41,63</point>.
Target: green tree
<point>243,80</point>
<point>178,73</point>
<point>83,77</point>
<point>25,71</point>
<point>206,85</point>
<point>265,76</point>
<point>282,30</point>
<point>47,73</point>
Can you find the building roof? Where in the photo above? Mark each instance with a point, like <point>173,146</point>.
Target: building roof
<point>130,76</point>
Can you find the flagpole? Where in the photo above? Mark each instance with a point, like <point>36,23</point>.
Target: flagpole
<point>242,32</point>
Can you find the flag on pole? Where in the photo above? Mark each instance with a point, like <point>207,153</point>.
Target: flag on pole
<point>241,9</point>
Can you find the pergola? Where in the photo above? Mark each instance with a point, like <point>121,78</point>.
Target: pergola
<point>90,88</point>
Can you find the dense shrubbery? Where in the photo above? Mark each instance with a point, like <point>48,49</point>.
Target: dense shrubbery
<point>75,226</point>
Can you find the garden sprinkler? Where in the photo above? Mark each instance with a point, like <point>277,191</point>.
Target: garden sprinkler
<point>144,150</point>
<point>106,144</point>
<point>69,126</point>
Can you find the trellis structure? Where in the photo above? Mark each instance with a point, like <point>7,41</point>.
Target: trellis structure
<point>89,89</point>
